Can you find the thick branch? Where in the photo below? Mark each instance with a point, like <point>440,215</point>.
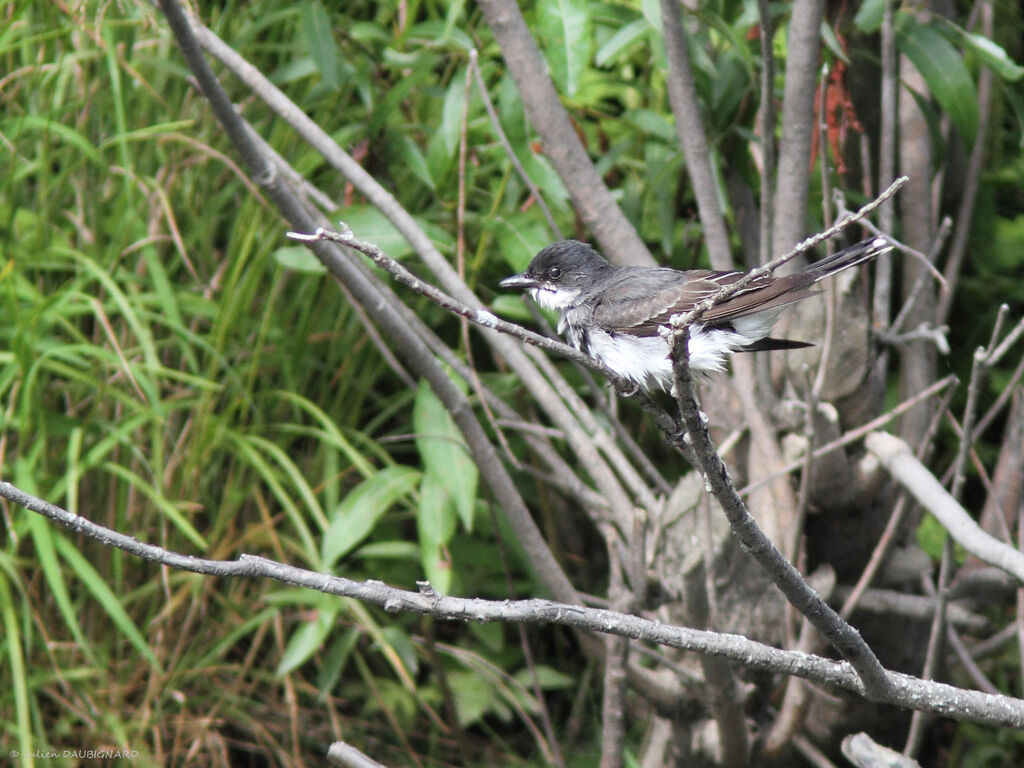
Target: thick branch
<point>802,49</point>
<point>843,637</point>
<point>905,690</point>
<point>682,92</point>
<point>616,236</point>
<point>899,460</point>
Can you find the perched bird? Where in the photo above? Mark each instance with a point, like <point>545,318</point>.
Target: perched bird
<point>614,313</point>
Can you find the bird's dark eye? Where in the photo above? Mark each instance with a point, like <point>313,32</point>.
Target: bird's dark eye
<point>554,273</point>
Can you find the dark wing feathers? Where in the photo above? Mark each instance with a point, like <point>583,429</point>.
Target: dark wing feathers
<point>644,300</point>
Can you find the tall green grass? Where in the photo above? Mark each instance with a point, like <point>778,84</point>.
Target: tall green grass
<point>161,373</point>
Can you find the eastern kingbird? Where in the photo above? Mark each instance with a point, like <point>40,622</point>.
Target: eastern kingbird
<point>614,313</point>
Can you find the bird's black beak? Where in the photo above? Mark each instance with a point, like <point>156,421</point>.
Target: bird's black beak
<point>521,281</point>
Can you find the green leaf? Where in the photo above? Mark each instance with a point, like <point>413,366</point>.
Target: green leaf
<point>398,640</point>
<point>306,640</point>
<point>832,42</point>
<point>565,29</point>
<point>391,104</point>
<point>943,69</point>
<point>436,523</point>
<point>389,550</point>
<point>445,140</point>
<point>869,16</point>
<point>548,678</point>
<point>299,258</point>
<point>475,697</point>
<point>318,39</point>
<point>368,223</point>
<point>413,159</point>
<point>519,238</point>
<point>653,123</point>
<point>43,535</point>
<point>511,307</point>
<point>617,44</point>
<point>101,592</point>
<point>335,658</point>
<point>993,55</point>
<point>444,452</point>
<point>360,510</point>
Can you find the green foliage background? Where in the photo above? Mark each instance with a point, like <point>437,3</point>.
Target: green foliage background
<point>171,367</point>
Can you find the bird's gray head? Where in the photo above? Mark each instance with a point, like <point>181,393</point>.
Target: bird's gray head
<point>559,273</point>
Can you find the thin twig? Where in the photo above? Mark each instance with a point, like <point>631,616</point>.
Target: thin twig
<point>802,247</point>
<point>934,652</point>
<point>480,317</point>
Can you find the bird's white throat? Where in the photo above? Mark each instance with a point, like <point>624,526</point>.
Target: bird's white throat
<point>557,299</point>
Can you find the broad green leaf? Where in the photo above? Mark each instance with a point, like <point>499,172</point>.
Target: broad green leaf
<point>548,678</point>
<point>436,523</point>
<point>444,452</point>
<point>943,69</point>
<point>993,55</point>
<point>335,658</point>
<point>397,641</point>
<point>653,123</point>
<point>869,16</point>
<point>652,13</point>
<point>565,28</point>
<point>491,635</point>
<point>623,39</point>
<point>454,21</point>
<point>511,307</point>
<point>445,140</point>
<point>832,42</point>
<point>413,158</point>
<point>442,34</point>
<point>475,697</point>
<point>299,258</point>
<point>931,537</point>
<point>306,640</point>
<point>368,223</point>
<point>389,550</point>
<point>318,39</point>
<point>519,237</point>
<point>360,510</point>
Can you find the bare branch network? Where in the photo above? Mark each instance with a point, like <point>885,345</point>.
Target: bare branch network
<point>840,634</point>
<point>902,690</point>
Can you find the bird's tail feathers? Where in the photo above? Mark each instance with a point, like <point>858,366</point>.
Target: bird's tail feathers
<point>856,254</point>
